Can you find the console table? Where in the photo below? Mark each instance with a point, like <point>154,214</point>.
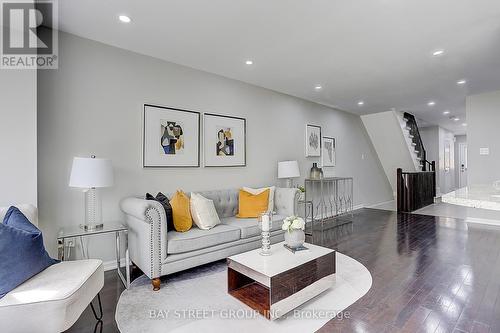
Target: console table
<point>331,197</point>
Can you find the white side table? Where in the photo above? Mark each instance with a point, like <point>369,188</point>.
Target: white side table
<point>74,232</point>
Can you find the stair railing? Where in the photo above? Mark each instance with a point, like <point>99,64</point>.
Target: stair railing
<point>411,123</point>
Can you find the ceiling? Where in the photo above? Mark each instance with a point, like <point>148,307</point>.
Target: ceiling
<point>377,51</point>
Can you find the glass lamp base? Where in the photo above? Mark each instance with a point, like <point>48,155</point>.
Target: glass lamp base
<point>93,210</point>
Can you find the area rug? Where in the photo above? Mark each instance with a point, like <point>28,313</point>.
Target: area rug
<point>197,301</point>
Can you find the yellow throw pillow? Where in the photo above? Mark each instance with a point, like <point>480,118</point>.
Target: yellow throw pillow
<point>181,212</point>
<point>251,205</point>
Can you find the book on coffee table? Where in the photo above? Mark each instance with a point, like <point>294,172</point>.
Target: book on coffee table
<point>295,249</point>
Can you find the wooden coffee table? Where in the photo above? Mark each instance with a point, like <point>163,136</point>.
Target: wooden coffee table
<point>277,284</point>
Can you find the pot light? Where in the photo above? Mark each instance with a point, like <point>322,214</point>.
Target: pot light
<point>461,82</point>
<point>456,119</point>
<point>438,53</point>
<point>431,103</point>
<point>464,124</point>
<point>124,18</point>
<point>446,112</point>
<point>318,87</point>
<point>361,103</point>
<point>249,62</point>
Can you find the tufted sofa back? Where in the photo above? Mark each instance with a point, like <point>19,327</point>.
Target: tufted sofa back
<point>225,201</point>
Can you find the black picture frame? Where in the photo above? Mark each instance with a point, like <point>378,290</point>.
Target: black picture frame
<point>320,139</point>
<point>145,105</point>
<point>244,140</point>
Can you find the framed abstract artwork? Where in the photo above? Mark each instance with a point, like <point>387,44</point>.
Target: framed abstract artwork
<point>171,137</point>
<point>313,141</point>
<point>328,152</point>
<point>224,140</point>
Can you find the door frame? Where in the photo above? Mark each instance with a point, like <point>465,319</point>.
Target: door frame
<point>461,151</point>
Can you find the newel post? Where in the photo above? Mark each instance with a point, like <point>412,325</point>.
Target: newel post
<point>399,189</point>
<point>433,166</point>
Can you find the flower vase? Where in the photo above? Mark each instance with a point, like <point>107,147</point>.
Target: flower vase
<point>295,238</point>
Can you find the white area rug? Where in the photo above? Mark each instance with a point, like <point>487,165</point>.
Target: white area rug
<point>197,301</point>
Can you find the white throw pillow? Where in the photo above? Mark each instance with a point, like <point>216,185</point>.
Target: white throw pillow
<point>203,212</point>
<point>255,191</point>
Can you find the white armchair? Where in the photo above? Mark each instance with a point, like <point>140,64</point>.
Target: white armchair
<point>54,299</point>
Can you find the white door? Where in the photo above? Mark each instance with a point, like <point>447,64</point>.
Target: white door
<point>462,160</point>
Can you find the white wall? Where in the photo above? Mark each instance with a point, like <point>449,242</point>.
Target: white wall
<point>93,105</point>
<point>483,119</point>
<point>18,137</point>
<point>435,139</point>
<point>384,129</point>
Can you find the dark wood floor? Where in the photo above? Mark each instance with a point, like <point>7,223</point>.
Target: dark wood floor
<point>430,274</point>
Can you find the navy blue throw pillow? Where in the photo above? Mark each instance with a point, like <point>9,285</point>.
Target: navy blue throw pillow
<point>162,198</point>
<point>22,254</point>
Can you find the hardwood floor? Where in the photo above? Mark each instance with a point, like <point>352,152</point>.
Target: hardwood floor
<point>430,274</point>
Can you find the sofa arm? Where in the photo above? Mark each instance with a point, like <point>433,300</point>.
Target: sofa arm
<point>285,200</point>
<point>147,234</point>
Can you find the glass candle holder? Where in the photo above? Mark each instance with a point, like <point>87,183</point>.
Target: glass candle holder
<point>265,224</point>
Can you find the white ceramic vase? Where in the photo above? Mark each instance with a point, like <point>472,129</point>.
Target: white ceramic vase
<point>295,237</point>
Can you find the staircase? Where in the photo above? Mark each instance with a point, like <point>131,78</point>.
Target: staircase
<point>396,139</point>
<point>414,141</point>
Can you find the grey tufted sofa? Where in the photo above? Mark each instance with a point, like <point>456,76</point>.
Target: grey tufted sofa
<point>159,253</point>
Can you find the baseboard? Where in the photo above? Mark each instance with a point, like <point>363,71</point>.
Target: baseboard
<point>358,207</point>
<point>379,204</point>
<point>111,264</point>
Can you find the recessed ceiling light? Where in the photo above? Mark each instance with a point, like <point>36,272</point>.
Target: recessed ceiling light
<point>464,124</point>
<point>431,103</point>
<point>438,53</point>
<point>361,103</point>
<point>318,87</point>
<point>249,62</point>
<point>124,18</point>
<point>456,119</point>
<point>461,82</point>
<point>446,112</point>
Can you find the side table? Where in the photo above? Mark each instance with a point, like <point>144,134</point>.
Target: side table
<point>308,215</point>
<point>75,232</point>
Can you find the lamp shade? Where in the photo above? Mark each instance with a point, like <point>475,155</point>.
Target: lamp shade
<point>91,172</point>
<point>288,169</point>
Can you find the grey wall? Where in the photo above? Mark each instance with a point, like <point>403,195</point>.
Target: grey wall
<point>483,119</point>
<point>93,105</point>
<point>434,139</point>
<point>18,137</point>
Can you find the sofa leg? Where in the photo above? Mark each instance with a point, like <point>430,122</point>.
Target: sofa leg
<point>156,284</point>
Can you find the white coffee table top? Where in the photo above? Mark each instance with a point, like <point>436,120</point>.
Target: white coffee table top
<point>281,259</point>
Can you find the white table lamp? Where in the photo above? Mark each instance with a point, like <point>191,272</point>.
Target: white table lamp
<point>288,170</point>
<point>91,174</point>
